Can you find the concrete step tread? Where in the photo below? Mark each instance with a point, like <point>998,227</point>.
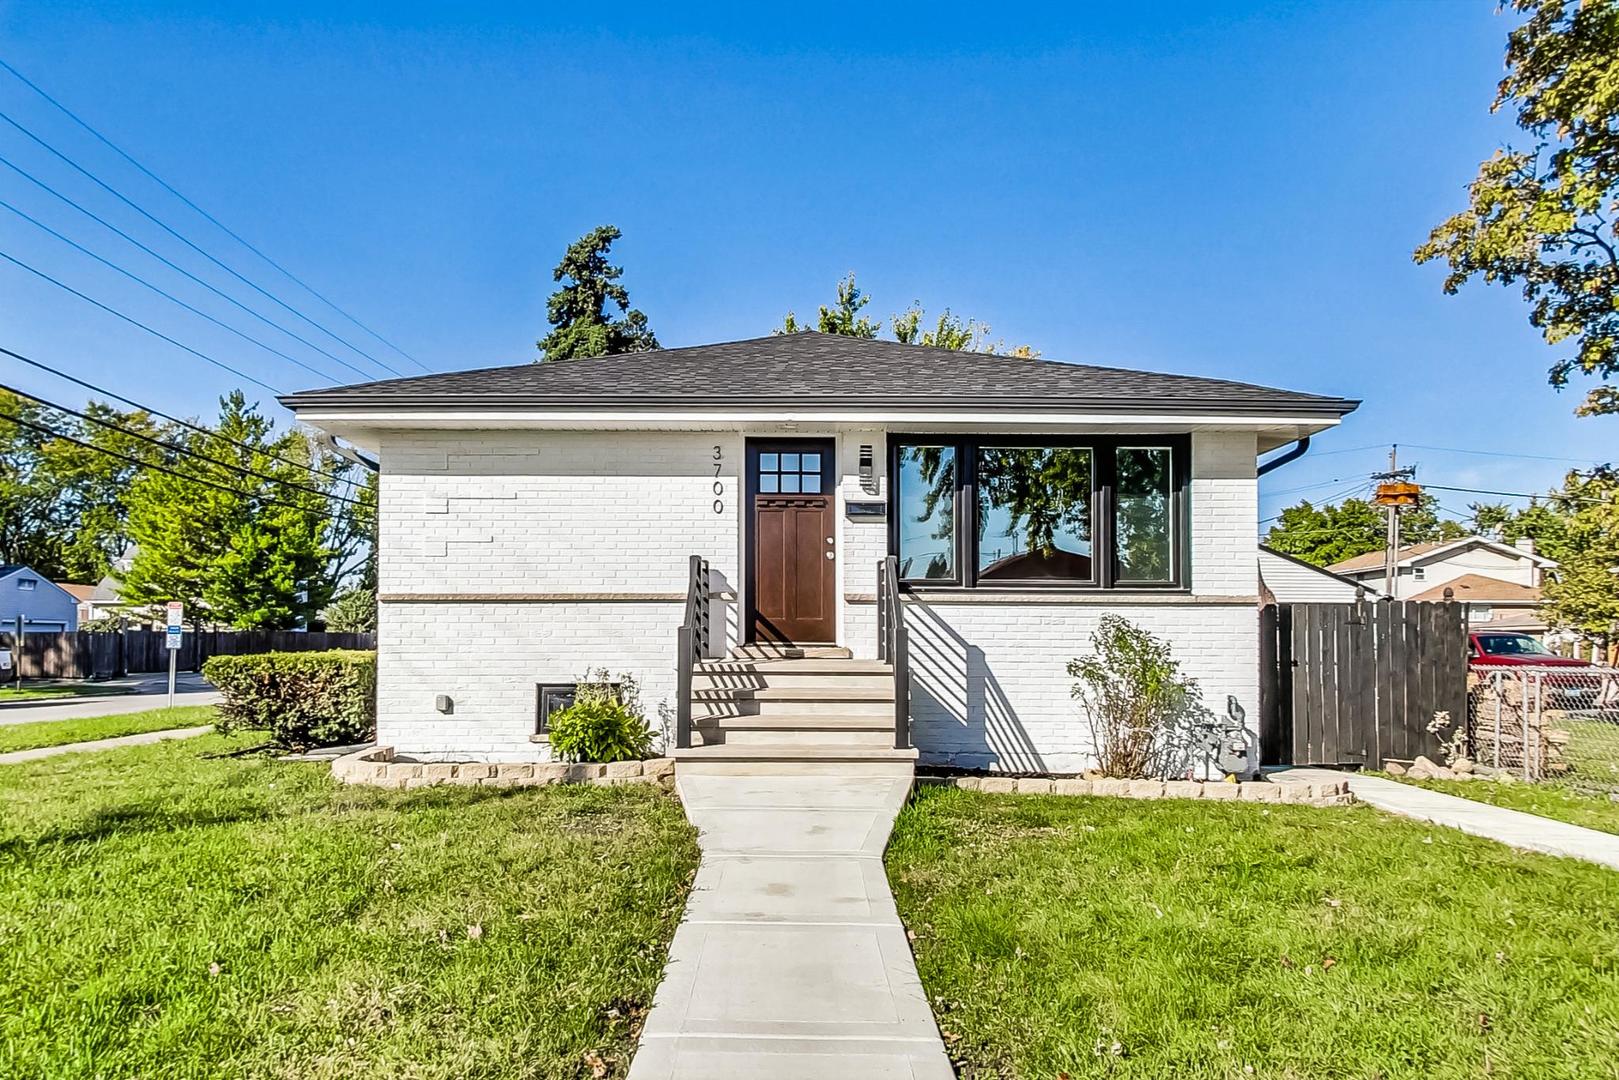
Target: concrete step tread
<point>792,693</point>
<point>832,752</point>
<point>832,666</point>
<point>795,722</point>
<point>790,652</point>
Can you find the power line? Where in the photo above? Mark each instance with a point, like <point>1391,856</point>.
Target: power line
<point>25,174</point>
<point>242,469</point>
<point>137,322</point>
<point>1549,495</point>
<point>104,392</point>
<point>121,197</point>
<point>164,184</point>
<point>1502,454</point>
<point>169,296</point>
<point>47,430</point>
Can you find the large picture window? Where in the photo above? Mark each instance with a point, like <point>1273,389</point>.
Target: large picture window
<point>1039,512</point>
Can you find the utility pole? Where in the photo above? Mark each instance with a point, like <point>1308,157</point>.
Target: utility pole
<point>1395,492</point>
<point>1391,556</point>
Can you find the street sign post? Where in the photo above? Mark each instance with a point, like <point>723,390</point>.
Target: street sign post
<point>172,640</point>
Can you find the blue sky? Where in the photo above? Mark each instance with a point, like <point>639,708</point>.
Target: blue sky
<point>1228,192</point>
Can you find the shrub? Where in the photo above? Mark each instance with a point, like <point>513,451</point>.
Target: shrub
<point>305,699</point>
<point>604,723</point>
<point>1141,708</point>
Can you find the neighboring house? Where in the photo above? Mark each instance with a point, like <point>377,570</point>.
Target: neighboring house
<point>1287,580</point>
<point>82,595</point>
<point>536,522</point>
<point>1499,582</point>
<point>45,606</point>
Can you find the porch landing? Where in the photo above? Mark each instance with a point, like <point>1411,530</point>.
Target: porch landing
<point>791,962</point>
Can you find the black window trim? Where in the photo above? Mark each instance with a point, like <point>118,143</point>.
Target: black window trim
<point>1104,559</point>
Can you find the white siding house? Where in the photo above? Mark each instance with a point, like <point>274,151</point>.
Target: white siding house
<point>1294,581</point>
<point>538,521</point>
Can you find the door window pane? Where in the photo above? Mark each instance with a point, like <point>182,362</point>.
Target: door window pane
<point>767,483</point>
<point>1034,513</point>
<point>767,462</point>
<point>811,463</point>
<point>812,482</point>
<point>789,482</point>
<point>1142,527</point>
<point>789,463</point>
<point>927,512</point>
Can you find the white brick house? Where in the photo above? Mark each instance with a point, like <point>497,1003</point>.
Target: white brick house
<point>537,521</point>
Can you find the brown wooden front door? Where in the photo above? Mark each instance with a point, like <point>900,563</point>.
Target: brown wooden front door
<point>792,561</point>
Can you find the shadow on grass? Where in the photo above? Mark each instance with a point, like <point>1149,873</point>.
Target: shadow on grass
<point>159,815</point>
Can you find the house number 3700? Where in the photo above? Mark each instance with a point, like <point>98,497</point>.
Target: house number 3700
<point>719,486</point>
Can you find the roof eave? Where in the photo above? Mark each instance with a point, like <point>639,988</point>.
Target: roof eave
<point>321,400</point>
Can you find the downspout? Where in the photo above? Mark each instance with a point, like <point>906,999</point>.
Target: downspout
<point>1298,450</point>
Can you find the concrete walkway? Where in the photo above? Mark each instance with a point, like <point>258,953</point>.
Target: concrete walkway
<point>17,757</point>
<point>1514,827</point>
<point>791,962</point>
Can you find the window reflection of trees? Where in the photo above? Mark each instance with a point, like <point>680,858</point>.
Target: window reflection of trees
<point>1045,493</point>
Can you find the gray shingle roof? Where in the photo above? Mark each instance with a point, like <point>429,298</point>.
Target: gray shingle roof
<point>814,369</point>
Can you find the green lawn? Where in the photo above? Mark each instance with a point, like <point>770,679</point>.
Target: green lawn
<point>193,909</point>
<point>32,691</point>
<point>1105,937</point>
<point>1553,799</point>
<point>85,728</point>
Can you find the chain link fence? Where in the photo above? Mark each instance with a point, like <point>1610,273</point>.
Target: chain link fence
<point>1546,723</point>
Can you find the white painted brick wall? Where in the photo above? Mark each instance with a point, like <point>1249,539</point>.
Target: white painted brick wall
<point>583,512</point>
<point>990,686</point>
<point>488,657</point>
<point>539,512</point>
<point>1225,514</point>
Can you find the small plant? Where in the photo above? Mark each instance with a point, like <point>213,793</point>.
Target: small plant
<point>604,723</point>
<point>1137,701</point>
<point>1454,748</point>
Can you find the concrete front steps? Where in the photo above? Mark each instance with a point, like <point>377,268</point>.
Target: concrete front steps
<point>787,710</point>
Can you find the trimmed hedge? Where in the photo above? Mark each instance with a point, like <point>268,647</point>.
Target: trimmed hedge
<point>305,699</point>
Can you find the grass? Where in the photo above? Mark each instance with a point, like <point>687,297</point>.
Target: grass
<point>86,728</point>
<point>57,691</point>
<point>1104,937</point>
<point>195,909</point>
<point>1556,799</point>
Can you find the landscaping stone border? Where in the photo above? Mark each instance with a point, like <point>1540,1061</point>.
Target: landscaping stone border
<point>378,767</point>
<point>1335,793</point>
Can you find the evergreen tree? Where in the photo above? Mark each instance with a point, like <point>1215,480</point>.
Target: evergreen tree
<point>236,549</point>
<point>580,324</point>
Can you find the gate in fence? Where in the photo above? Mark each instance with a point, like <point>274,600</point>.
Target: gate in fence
<point>1358,684</point>
<point>84,654</point>
<point>1541,722</point>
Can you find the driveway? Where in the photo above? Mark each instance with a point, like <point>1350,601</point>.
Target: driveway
<point>151,692</point>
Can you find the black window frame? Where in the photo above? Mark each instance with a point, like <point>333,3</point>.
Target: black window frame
<point>1104,558</point>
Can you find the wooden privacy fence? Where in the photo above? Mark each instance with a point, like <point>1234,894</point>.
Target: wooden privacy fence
<point>86,655</point>
<point>1358,684</point>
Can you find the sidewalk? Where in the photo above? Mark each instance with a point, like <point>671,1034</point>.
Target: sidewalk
<point>1513,827</point>
<point>791,962</point>
<point>17,757</point>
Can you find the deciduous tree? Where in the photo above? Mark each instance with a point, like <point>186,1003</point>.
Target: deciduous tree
<point>1544,217</point>
<point>1324,535</point>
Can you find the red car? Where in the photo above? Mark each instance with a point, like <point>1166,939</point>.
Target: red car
<point>1487,648</point>
<point>1574,690</point>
